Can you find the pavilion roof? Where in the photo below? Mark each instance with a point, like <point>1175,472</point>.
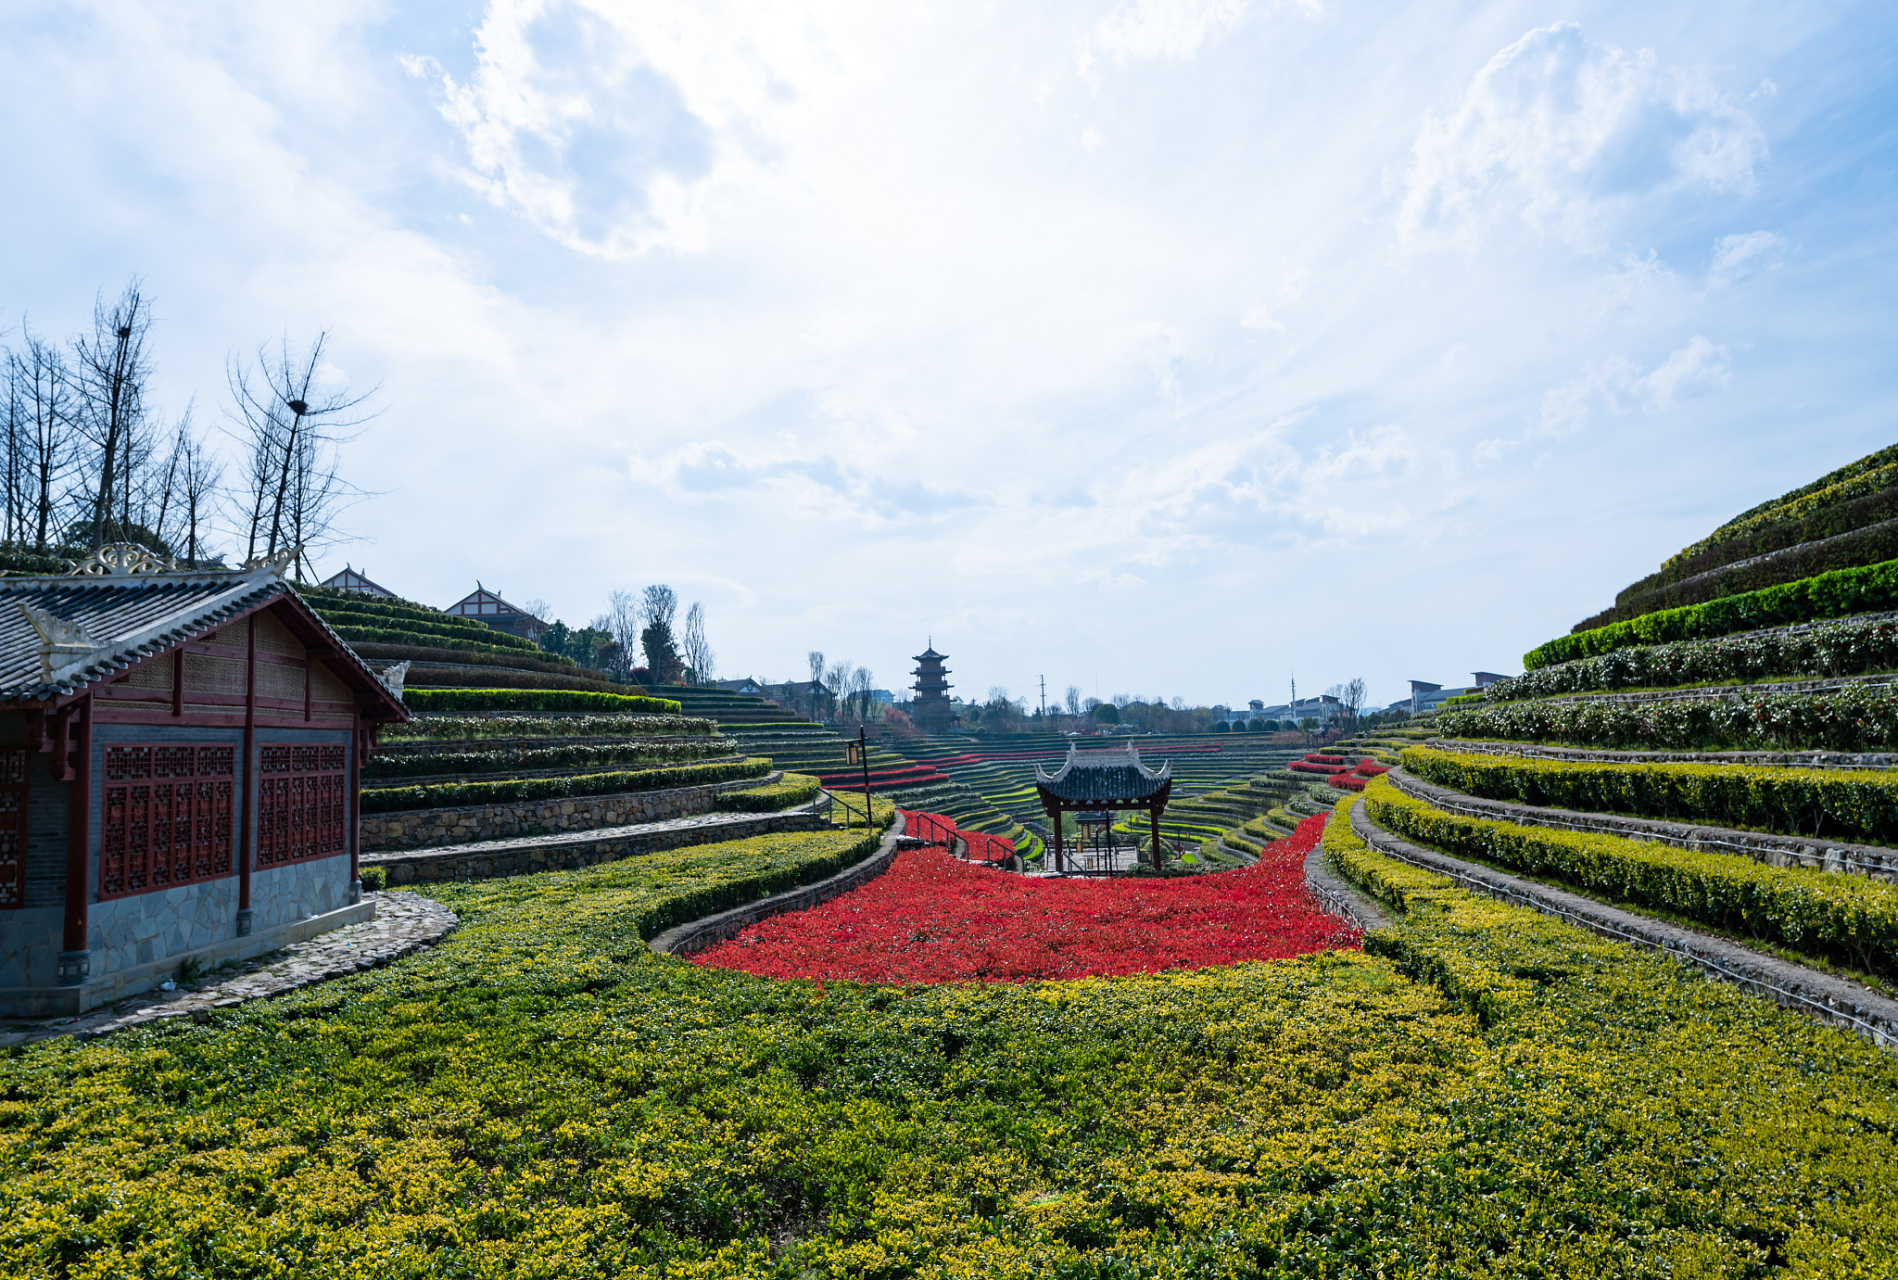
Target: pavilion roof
<point>1106,777</point>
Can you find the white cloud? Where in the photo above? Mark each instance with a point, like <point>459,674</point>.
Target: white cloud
<point>1618,385</point>
<point>1737,257</point>
<point>1556,130</point>
<point>1142,30</point>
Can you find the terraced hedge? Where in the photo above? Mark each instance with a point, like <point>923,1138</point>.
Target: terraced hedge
<point>446,795</point>
<point>489,677</point>
<point>1871,474</point>
<point>1855,718</point>
<point>1849,647</point>
<point>1830,522</point>
<point>1859,803</point>
<point>433,727</point>
<point>790,790</point>
<point>431,701</point>
<point>1829,595</point>
<point>1845,918</point>
<point>527,759</point>
<point>1848,550</point>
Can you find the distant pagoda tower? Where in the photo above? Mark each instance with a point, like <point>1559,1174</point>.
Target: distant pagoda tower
<point>931,711</point>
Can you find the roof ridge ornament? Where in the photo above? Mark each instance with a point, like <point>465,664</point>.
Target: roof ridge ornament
<point>117,559</point>
<point>276,563</point>
<point>393,676</point>
<point>61,642</point>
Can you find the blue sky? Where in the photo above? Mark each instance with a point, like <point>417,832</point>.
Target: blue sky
<point>1154,346</point>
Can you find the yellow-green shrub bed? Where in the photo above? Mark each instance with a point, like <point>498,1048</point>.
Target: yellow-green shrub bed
<point>789,790</point>
<point>1848,918</point>
<point>541,1096</point>
<point>1837,802</point>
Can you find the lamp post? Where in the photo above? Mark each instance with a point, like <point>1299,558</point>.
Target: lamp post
<point>857,753</point>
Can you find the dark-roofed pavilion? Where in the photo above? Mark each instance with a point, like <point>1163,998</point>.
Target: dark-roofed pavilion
<point>1095,781</point>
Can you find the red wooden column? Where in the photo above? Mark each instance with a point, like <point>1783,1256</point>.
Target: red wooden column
<point>247,840</point>
<point>72,762</point>
<point>357,742</point>
<point>1153,825</point>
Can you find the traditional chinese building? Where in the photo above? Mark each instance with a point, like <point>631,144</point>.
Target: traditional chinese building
<point>931,711</point>
<point>1090,782</point>
<point>354,580</point>
<point>180,756</point>
<point>487,606</point>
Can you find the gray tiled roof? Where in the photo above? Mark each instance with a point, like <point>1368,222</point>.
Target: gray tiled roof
<point>129,617</point>
<point>1104,777</point>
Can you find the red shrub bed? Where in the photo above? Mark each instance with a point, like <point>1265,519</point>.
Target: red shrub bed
<point>1307,766</point>
<point>1348,781</point>
<point>1319,758</point>
<point>1370,769</point>
<point>931,918</point>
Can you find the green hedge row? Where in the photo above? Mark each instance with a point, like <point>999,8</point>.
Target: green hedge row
<point>1851,647</point>
<point>1859,513</point>
<point>433,727</point>
<point>1846,918</point>
<point>27,564</point>
<point>787,792</point>
<point>531,759</point>
<point>1847,551</point>
<point>1870,474</point>
<point>1830,595</point>
<point>487,656</point>
<point>415,633</point>
<point>502,678</point>
<point>1855,718</point>
<point>444,700</point>
<point>449,795</point>
<point>1858,802</point>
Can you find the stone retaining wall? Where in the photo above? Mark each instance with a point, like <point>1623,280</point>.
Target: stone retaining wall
<point>420,828</point>
<point>1774,850</point>
<point>1817,995</point>
<point>487,859</point>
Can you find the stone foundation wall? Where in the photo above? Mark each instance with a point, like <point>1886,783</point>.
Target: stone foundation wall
<point>421,828</point>
<point>572,851</point>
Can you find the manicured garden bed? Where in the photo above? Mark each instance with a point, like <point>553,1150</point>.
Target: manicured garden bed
<point>1483,1092</point>
<point>933,918</point>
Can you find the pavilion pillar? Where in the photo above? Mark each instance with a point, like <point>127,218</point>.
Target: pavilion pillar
<point>1056,815</point>
<point>1153,825</point>
<point>247,838</point>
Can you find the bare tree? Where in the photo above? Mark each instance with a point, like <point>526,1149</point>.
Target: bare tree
<point>1352,698</point>
<point>40,410</point>
<point>201,475</point>
<point>658,604</point>
<point>293,430</point>
<point>816,659</point>
<point>110,369</point>
<point>835,681</point>
<point>860,682</point>
<point>694,647</point>
<point>1072,699</point>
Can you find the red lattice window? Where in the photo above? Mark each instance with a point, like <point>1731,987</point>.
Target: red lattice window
<point>301,806</point>
<point>12,827</point>
<point>167,817</point>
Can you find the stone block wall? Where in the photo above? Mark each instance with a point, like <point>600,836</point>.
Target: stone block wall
<point>421,828</point>
<point>574,850</point>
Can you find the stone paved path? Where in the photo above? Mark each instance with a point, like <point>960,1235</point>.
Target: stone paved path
<point>405,923</point>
